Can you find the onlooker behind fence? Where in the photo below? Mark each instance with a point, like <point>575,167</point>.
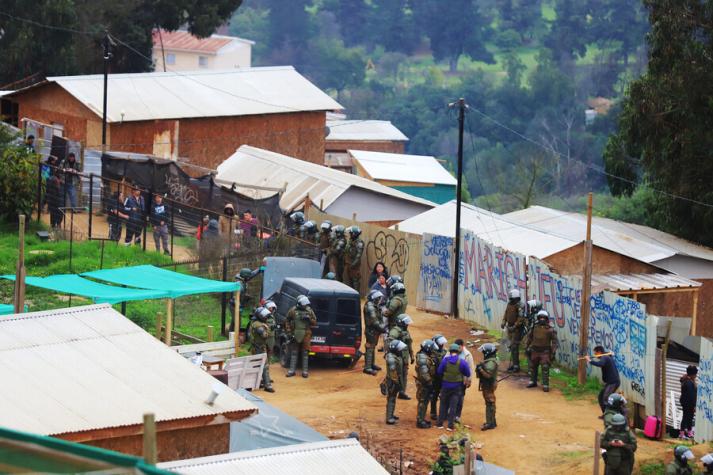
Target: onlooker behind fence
<point>248,224</point>
<point>379,269</point>
<point>688,401</point>
<point>116,216</point>
<point>210,249</point>
<point>610,375</point>
<point>54,199</point>
<point>70,167</point>
<point>136,209</point>
<point>160,217</point>
<point>30,143</point>
<point>47,169</point>
<point>228,221</point>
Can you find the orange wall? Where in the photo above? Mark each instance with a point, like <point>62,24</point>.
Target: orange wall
<point>571,262</point>
<point>337,146</point>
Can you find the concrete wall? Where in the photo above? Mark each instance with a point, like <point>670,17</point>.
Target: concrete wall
<point>372,146</point>
<point>234,55</point>
<point>177,444</point>
<point>571,262</point>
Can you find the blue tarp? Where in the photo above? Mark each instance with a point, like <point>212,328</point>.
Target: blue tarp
<point>154,278</point>
<point>270,427</point>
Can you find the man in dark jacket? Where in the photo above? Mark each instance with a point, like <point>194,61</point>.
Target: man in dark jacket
<point>135,207</point>
<point>159,221</point>
<point>610,375</point>
<point>455,372</point>
<point>116,216</point>
<point>688,402</point>
<point>70,166</point>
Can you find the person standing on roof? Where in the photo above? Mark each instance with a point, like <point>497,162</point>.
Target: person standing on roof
<point>352,259</point>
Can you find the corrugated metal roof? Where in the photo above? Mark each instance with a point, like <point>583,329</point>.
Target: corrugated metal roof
<point>489,226</point>
<point>211,93</point>
<point>639,242</point>
<point>184,41</point>
<point>344,456</point>
<point>364,131</point>
<point>640,282</point>
<point>258,167</point>
<point>4,93</point>
<point>402,167</point>
<point>85,368</point>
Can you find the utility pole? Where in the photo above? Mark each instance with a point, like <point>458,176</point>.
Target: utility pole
<point>19,297</point>
<point>106,43</point>
<point>586,293</point>
<point>462,106</point>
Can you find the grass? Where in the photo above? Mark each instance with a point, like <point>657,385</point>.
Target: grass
<point>652,468</point>
<point>192,314</point>
<point>566,381</point>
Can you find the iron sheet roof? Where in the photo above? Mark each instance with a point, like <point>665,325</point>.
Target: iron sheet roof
<point>402,167</point>
<point>343,457</point>
<point>641,282</point>
<point>364,131</point>
<point>210,93</point>
<point>258,167</point>
<point>85,368</point>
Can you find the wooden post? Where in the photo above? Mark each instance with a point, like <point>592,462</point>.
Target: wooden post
<point>664,353</point>
<point>695,312</point>
<point>586,292</point>
<point>308,204</point>
<point>236,332</point>
<point>210,332</point>
<point>150,455</point>
<point>159,324</point>
<point>468,459</point>
<point>19,296</point>
<point>321,205</point>
<point>597,452</point>
<point>353,217</point>
<point>169,322</point>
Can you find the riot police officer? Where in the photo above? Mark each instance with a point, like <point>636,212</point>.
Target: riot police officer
<point>259,335</point>
<point>514,322</point>
<point>541,349</point>
<point>336,252</point>
<point>397,303</point>
<point>425,373</point>
<point>325,242</point>
<point>299,322</point>
<point>400,332</point>
<point>352,258</point>
<point>394,377</point>
<point>438,354</point>
<point>487,373</point>
<point>620,445</point>
<point>373,327</point>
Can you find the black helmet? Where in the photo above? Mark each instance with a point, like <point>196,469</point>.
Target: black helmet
<point>398,288</point>
<point>298,217</point>
<point>339,230</point>
<point>397,346</point>
<point>302,301</point>
<point>616,401</point>
<point>428,346</point>
<point>375,296</point>
<point>440,341</point>
<point>394,279</point>
<point>354,232</point>
<point>682,453</point>
<point>326,226</point>
<point>488,350</point>
<point>618,421</point>
<point>262,314</point>
<point>309,227</point>
<point>403,321</point>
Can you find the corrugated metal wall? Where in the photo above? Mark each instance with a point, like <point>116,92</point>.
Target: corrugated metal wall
<point>674,370</point>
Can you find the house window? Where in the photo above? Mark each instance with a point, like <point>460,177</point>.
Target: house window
<point>202,61</point>
<point>170,58</point>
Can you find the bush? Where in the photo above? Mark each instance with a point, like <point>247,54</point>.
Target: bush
<point>18,179</point>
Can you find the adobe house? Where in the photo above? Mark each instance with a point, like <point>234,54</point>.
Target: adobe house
<point>88,374</point>
<point>203,116</point>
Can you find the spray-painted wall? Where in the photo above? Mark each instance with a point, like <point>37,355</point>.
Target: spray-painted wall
<point>486,273</point>
<point>435,286</point>
<point>617,323</point>
<point>704,402</point>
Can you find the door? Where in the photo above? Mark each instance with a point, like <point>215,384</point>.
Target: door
<point>320,305</point>
<point>347,323</point>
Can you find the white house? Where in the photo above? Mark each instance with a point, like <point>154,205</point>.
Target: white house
<point>181,51</point>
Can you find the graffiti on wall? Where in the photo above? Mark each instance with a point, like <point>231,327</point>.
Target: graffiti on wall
<point>392,251</point>
<point>486,273</point>
<point>436,274</point>
<point>617,323</point>
<point>704,401</point>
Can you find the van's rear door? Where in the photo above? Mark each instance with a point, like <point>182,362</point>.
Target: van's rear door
<point>346,327</point>
<point>320,305</point>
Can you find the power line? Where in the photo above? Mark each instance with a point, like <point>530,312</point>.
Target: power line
<point>46,26</point>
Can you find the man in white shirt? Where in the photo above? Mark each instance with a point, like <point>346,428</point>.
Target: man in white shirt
<point>468,357</point>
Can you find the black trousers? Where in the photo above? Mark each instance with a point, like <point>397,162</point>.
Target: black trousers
<point>604,394</point>
<point>687,419</point>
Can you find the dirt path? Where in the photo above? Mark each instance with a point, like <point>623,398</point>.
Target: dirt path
<point>537,433</point>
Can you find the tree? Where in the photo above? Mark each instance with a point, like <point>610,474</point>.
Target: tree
<point>290,25</point>
<point>64,36</point>
<point>666,127</point>
<point>570,32</point>
<point>521,16</point>
<point>252,23</point>
<point>18,177</point>
<point>454,29</point>
<point>347,66</point>
<point>352,16</point>
<point>393,25</point>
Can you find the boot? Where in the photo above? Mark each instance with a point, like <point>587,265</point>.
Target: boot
<point>266,378</point>
<point>515,359</point>
<point>489,417</point>
<point>293,364</point>
<point>305,364</point>
<point>390,407</point>
<point>404,396</point>
<point>546,378</point>
<point>373,366</point>
<point>369,362</point>
<point>533,377</point>
<point>423,425</point>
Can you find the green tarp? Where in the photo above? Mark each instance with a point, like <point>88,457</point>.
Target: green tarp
<point>154,278</point>
<point>99,293</point>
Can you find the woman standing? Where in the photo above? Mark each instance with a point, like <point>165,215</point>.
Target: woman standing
<point>688,402</point>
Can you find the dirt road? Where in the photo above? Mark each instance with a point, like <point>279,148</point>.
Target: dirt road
<point>537,433</point>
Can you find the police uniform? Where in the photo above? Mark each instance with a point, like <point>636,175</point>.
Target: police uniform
<point>514,322</point>
<point>394,384</point>
<point>398,333</point>
<point>541,347</point>
<point>425,373</point>
<point>336,256</point>
<point>352,263</point>
<point>260,334</point>
<point>325,243</point>
<point>299,325</point>
<point>487,372</point>
<point>372,331</point>
<point>437,357</point>
<point>396,306</point>
<point>618,460</point>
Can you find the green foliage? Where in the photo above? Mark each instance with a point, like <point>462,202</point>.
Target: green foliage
<point>347,66</point>
<point>665,128</point>
<point>18,178</point>
<point>652,468</point>
<point>252,23</point>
